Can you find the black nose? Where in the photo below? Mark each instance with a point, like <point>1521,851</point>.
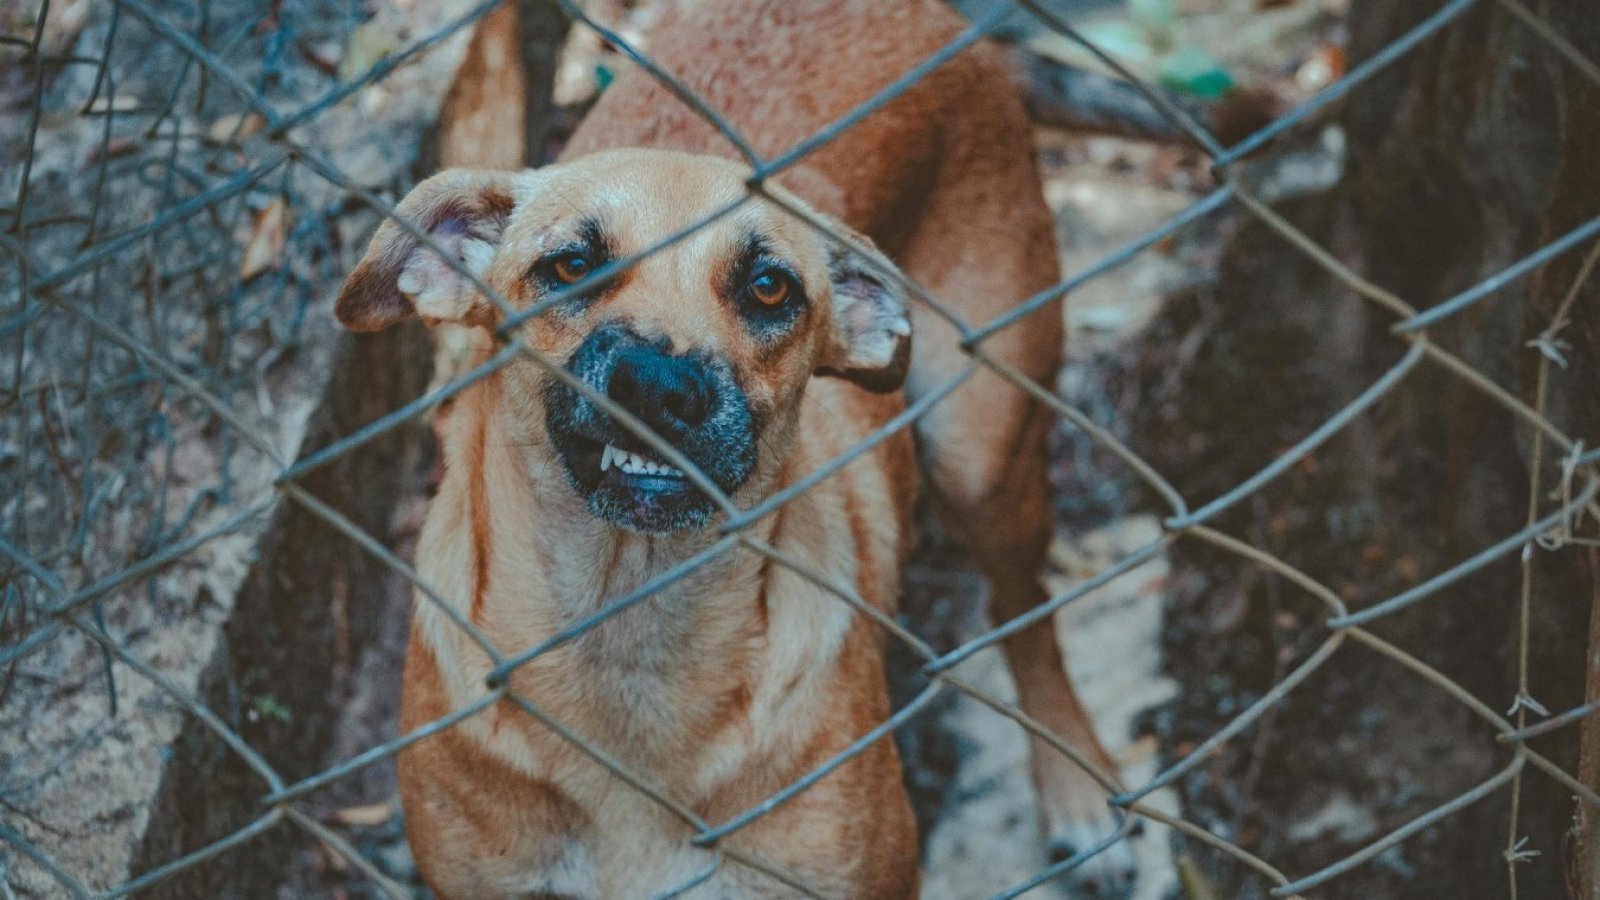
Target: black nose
<point>671,394</point>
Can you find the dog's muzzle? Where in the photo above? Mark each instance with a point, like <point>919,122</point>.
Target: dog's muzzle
<point>690,400</point>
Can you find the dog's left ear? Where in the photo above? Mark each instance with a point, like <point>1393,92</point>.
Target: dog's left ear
<point>871,340</point>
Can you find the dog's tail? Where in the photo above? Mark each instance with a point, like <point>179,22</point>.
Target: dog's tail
<point>1065,96</point>
<point>481,123</point>
<point>498,108</point>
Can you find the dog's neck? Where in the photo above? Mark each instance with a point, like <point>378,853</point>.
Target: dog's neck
<point>525,558</point>
<point>528,560</point>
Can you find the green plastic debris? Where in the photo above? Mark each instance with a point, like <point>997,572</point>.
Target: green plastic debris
<point>1187,70</point>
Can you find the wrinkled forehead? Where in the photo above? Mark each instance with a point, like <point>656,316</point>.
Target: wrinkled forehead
<point>639,200</point>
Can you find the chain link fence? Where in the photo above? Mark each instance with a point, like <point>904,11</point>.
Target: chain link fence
<point>143,355</point>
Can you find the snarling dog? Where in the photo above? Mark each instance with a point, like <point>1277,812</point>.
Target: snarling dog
<point>755,348</point>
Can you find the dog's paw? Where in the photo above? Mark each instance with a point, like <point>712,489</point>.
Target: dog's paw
<point>1108,874</point>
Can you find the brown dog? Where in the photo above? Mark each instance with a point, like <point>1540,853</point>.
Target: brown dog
<point>760,349</point>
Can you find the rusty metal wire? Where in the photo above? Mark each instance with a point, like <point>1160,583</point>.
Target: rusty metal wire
<point>148,309</point>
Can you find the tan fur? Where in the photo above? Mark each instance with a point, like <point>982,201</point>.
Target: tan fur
<point>742,677</point>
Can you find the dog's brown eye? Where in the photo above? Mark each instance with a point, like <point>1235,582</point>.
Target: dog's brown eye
<point>769,289</point>
<point>572,267</point>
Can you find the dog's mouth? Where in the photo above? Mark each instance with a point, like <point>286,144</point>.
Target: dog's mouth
<point>633,487</point>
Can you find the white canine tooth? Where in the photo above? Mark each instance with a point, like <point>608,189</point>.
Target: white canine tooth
<point>635,464</point>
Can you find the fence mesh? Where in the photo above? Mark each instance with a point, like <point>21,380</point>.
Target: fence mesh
<point>141,361</point>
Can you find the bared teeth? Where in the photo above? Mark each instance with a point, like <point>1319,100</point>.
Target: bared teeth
<point>633,463</point>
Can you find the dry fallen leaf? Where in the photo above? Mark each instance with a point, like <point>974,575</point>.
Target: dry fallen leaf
<point>1197,885</point>
<point>112,149</point>
<point>367,815</point>
<point>234,127</point>
<point>265,245</point>
<point>368,44</point>
<point>1326,65</point>
<point>120,103</point>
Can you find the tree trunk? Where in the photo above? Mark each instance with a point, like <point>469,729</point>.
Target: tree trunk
<point>1469,153</point>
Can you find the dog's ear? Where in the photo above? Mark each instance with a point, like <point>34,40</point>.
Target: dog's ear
<point>871,340</point>
<point>464,212</point>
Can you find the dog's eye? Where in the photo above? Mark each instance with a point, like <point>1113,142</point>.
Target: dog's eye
<point>571,267</point>
<point>770,289</point>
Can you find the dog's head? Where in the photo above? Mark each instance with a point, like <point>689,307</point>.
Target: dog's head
<point>709,341</point>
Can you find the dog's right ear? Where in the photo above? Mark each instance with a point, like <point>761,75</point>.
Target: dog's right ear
<point>464,212</point>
